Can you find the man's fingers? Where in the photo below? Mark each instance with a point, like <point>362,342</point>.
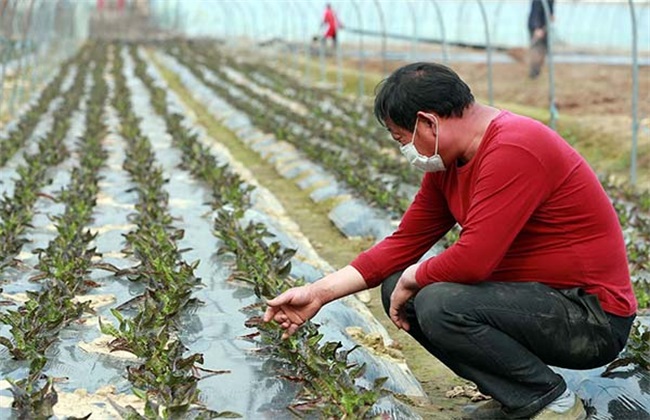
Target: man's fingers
<point>285,298</point>
<point>405,324</point>
<point>270,313</point>
<point>394,316</point>
<point>290,331</point>
<point>397,314</point>
<point>279,300</point>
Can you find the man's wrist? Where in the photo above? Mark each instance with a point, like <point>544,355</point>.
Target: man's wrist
<point>343,282</point>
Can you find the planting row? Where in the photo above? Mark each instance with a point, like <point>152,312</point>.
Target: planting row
<point>126,209</point>
<point>327,379</point>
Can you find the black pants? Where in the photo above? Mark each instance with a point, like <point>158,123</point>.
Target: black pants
<point>503,336</point>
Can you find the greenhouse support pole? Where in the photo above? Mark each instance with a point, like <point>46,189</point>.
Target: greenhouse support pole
<point>244,24</point>
<point>306,44</point>
<point>382,22</point>
<point>495,20</point>
<point>361,54</point>
<point>228,30</point>
<point>551,70</point>
<point>460,15</point>
<point>177,17</point>
<point>635,93</point>
<point>256,33</point>
<point>339,67</point>
<point>414,41</point>
<point>302,38</point>
<point>445,49</point>
<point>321,59</point>
<point>295,48</point>
<point>286,37</point>
<point>488,47</point>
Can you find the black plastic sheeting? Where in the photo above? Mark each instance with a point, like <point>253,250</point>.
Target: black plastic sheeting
<point>622,394</point>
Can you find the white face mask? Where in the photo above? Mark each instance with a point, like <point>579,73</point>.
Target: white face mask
<point>423,163</point>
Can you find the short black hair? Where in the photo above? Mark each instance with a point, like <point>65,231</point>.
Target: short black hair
<point>421,87</point>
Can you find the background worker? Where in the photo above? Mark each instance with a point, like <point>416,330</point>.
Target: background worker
<point>333,25</point>
<point>538,31</point>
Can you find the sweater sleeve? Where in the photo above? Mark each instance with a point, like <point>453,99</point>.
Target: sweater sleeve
<point>510,184</point>
<point>426,220</point>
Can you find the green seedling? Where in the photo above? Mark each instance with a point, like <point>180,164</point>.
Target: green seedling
<point>32,398</point>
<point>35,325</point>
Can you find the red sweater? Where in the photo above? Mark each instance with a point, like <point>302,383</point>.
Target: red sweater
<point>531,209</point>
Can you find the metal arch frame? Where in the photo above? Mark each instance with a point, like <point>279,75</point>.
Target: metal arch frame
<point>282,29</point>
<point>497,12</point>
<point>383,37</point>
<point>339,62</point>
<point>357,9</point>
<point>255,30</point>
<point>306,46</point>
<point>242,12</point>
<point>305,36</point>
<point>321,59</point>
<point>445,47</point>
<point>415,41</point>
<point>459,18</point>
<point>285,33</point>
<point>69,38</point>
<point>224,15</point>
<point>296,36</point>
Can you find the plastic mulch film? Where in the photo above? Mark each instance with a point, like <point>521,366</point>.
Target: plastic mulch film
<point>290,163</point>
<point>346,320</point>
<point>623,394</point>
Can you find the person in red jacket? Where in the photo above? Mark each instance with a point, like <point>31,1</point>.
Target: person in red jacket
<point>539,275</point>
<point>331,21</point>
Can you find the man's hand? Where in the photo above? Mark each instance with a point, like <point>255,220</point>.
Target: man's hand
<point>405,289</point>
<point>293,308</point>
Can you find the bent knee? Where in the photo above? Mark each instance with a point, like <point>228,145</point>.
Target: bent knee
<point>438,298</point>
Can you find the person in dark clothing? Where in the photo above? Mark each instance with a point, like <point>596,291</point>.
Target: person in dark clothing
<point>538,31</point>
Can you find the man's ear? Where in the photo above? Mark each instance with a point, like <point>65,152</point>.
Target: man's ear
<point>429,118</point>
